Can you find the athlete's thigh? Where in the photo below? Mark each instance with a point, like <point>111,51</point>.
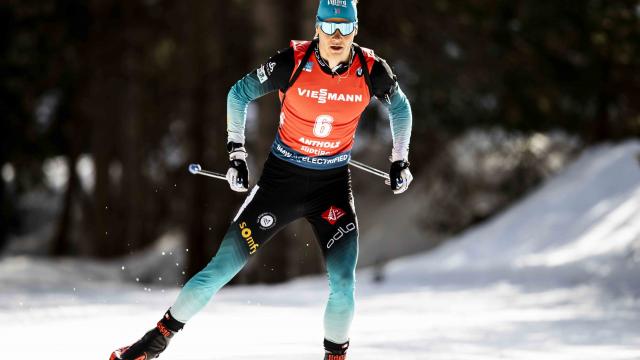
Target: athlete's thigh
<point>262,215</point>
<point>333,217</point>
<point>336,231</point>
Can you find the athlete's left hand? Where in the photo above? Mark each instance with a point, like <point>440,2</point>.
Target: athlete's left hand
<point>238,173</point>
<point>399,176</point>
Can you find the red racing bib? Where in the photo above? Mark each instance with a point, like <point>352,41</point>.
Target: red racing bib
<point>320,112</point>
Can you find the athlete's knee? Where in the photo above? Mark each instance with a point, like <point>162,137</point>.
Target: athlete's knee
<point>342,277</point>
<point>342,297</point>
<point>342,281</point>
<point>222,267</point>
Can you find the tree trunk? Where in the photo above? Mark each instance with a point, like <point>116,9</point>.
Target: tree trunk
<point>61,244</point>
<point>131,191</point>
<point>102,109</point>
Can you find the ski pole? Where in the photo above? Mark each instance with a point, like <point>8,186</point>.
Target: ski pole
<point>196,169</point>
<point>369,169</point>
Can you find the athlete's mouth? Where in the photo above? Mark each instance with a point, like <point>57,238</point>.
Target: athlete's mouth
<point>336,47</point>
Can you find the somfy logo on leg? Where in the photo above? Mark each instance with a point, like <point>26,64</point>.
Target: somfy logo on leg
<point>246,233</point>
<point>266,221</point>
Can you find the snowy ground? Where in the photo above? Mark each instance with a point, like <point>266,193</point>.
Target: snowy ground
<point>556,277</point>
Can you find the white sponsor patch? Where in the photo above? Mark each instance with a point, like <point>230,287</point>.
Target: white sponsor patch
<point>262,76</point>
<point>266,221</point>
<point>342,3</point>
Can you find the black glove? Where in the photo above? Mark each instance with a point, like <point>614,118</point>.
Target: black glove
<point>238,173</point>
<point>400,177</point>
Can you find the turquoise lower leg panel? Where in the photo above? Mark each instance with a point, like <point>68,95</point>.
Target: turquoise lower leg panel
<point>230,259</point>
<point>341,266</point>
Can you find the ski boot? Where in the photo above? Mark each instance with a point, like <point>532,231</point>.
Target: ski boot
<point>152,343</point>
<point>335,351</point>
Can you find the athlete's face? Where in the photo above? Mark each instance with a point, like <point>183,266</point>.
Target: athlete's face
<point>335,47</point>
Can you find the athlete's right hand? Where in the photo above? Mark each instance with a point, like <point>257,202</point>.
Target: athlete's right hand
<point>238,173</point>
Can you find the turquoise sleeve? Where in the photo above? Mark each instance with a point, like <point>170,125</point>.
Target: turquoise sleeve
<point>401,121</point>
<point>241,94</point>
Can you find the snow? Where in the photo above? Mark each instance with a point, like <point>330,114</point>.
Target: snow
<point>554,277</point>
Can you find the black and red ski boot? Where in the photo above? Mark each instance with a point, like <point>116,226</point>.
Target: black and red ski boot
<point>152,343</point>
<point>333,351</point>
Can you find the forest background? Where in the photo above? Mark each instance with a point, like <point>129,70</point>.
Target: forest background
<point>104,103</point>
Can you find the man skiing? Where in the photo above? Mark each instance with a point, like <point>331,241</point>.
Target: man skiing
<point>324,86</point>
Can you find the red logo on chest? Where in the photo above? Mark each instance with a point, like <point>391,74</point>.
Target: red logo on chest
<point>333,214</point>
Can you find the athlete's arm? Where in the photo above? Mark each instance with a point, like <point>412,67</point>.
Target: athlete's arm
<point>385,87</point>
<point>270,76</point>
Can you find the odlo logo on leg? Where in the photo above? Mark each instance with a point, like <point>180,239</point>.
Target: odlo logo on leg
<point>246,235</point>
<point>341,232</point>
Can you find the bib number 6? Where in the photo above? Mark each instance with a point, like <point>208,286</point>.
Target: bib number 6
<point>323,126</point>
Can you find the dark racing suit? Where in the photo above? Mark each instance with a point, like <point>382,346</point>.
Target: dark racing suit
<point>306,174</point>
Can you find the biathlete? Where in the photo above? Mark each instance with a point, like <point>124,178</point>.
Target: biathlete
<point>324,86</point>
